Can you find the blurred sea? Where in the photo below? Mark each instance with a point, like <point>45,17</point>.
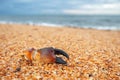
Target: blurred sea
<point>105,22</point>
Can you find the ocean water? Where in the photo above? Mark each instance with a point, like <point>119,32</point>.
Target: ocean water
<point>105,22</point>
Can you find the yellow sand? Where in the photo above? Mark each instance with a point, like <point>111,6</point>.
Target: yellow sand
<point>94,54</point>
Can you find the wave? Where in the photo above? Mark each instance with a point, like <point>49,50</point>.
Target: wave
<point>62,25</point>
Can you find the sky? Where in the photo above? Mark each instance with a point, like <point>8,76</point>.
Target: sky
<point>75,7</point>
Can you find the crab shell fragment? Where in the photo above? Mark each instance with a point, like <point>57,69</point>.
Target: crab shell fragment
<point>46,55</point>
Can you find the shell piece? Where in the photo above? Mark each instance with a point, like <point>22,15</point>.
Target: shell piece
<point>47,54</point>
<point>29,53</point>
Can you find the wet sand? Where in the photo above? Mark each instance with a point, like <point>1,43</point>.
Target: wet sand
<point>94,54</point>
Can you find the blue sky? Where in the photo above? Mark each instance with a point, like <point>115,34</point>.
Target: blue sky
<point>60,7</point>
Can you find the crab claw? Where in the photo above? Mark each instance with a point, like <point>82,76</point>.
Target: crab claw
<point>46,55</point>
<point>50,53</point>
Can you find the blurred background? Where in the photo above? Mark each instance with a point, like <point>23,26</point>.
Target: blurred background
<point>97,14</point>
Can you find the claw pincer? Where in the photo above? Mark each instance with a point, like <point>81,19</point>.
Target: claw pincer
<point>46,55</point>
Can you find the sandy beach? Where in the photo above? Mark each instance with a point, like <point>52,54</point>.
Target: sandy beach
<point>94,54</point>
